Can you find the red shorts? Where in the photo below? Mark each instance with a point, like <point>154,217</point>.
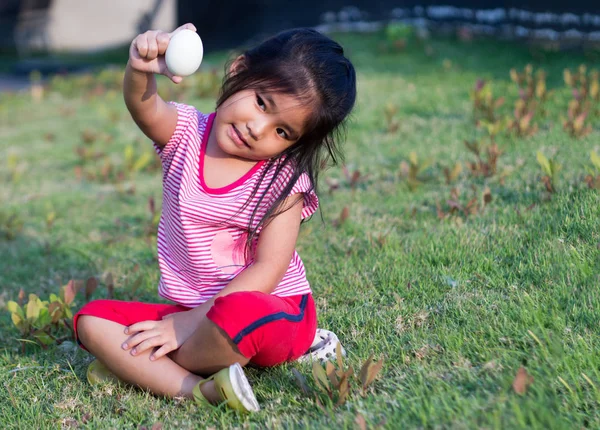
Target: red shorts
<point>267,329</point>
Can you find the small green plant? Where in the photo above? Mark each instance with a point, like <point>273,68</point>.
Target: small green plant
<point>452,174</point>
<point>586,84</point>
<point>11,225</point>
<point>135,163</point>
<point>575,123</point>
<point>521,124</point>
<point>457,206</point>
<point>483,167</point>
<point>391,122</point>
<point>524,80</point>
<point>46,321</point>
<point>593,177</point>
<point>550,169</point>
<point>335,382</point>
<point>493,128</point>
<point>485,106</point>
<point>412,170</point>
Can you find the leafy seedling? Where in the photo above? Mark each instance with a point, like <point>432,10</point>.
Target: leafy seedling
<point>458,207</point>
<point>452,174</point>
<point>334,383</point>
<point>413,169</point>
<point>391,122</point>
<point>521,124</point>
<point>353,178</point>
<point>341,219</point>
<point>550,169</point>
<point>522,381</point>
<point>485,106</point>
<point>487,166</point>
<point>48,321</point>
<point>11,225</point>
<point>592,179</point>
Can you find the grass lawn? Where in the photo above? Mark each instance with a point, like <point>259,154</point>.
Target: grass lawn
<point>454,303</point>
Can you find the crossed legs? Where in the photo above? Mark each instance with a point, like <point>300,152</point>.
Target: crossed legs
<point>208,350</point>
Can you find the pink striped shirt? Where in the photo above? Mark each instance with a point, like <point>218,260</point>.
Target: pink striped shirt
<point>202,233</point>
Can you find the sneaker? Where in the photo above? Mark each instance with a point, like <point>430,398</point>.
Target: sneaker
<point>323,347</point>
<point>234,388</point>
<point>98,373</point>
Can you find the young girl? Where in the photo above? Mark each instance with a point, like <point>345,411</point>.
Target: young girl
<point>236,185</point>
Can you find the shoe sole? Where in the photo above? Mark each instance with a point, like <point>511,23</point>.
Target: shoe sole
<point>242,389</point>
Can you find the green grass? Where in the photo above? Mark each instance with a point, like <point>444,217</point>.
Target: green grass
<point>455,306</point>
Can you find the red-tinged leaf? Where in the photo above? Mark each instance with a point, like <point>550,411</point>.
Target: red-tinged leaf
<point>455,205</point>
<point>86,418</point>
<point>361,422</point>
<point>55,312</point>
<point>338,356</point>
<point>68,292</point>
<point>487,196</point>
<point>344,215</point>
<point>157,426</point>
<point>364,371</point>
<point>333,379</point>
<point>343,391</point>
<point>301,382</point>
<point>151,205</point>
<point>21,297</point>
<point>320,378</point>
<point>373,371</point>
<point>355,178</point>
<point>522,381</point>
<point>440,213</point>
<point>90,286</point>
<point>110,286</point>
<point>471,208</point>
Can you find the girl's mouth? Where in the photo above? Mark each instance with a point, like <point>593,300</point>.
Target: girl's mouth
<point>237,137</point>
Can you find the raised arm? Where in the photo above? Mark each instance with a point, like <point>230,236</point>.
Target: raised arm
<point>152,114</point>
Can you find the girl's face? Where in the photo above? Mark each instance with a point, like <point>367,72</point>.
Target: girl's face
<point>258,126</point>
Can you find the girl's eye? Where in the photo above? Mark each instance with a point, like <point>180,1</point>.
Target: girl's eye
<point>281,133</point>
<point>260,102</point>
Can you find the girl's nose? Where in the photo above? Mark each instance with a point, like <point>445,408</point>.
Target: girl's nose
<point>257,127</point>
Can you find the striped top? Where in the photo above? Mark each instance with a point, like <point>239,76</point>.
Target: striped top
<point>202,231</point>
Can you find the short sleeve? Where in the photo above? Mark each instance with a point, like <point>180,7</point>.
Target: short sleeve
<point>187,118</point>
<point>311,201</point>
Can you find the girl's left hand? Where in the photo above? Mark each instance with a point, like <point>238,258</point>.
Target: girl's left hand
<point>168,334</point>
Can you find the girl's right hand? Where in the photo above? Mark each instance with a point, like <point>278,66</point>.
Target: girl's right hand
<point>147,52</point>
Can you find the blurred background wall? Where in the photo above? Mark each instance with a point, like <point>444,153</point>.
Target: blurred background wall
<point>77,25</point>
<point>80,25</point>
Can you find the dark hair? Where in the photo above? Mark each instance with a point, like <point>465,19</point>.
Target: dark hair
<point>304,63</point>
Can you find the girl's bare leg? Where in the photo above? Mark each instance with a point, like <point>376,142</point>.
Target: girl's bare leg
<point>103,338</point>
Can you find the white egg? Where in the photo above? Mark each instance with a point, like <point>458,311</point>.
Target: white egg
<point>184,53</point>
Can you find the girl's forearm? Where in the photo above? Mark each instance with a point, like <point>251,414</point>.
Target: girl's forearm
<point>141,96</point>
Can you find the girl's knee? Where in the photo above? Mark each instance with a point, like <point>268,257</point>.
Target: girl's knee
<point>85,326</point>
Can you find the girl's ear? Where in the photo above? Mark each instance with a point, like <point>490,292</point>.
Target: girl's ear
<point>237,65</point>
